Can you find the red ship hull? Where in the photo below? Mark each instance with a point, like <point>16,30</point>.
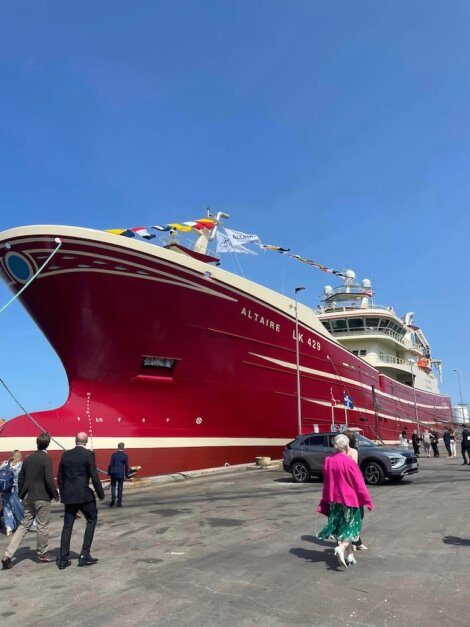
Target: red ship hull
<point>105,303</point>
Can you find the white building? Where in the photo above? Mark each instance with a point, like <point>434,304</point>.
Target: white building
<point>461,413</point>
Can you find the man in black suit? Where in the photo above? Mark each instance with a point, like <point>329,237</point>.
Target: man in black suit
<point>465,445</point>
<point>76,469</point>
<point>118,470</point>
<point>36,488</point>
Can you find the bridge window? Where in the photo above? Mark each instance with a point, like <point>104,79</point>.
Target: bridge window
<point>338,325</point>
<point>355,324</point>
<point>372,323</point>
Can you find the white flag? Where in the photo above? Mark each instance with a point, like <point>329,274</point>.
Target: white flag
<point>238,239</point>
<point>224,245</point>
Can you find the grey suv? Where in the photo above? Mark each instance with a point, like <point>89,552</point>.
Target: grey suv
<point>304,457</point>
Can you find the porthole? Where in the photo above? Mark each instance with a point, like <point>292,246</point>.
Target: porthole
<point>18,267</point>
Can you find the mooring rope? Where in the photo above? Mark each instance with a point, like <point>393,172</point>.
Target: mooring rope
<point>41,429</point>
<point>28,414</point>
<point>59,244</point>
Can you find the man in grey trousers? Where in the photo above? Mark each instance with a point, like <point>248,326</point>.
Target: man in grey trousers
<point>36,488</point>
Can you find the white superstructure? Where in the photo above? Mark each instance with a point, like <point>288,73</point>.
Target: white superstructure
<point>393,345</point>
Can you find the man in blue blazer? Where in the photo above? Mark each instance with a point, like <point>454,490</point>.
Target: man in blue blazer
<point>118,470</point>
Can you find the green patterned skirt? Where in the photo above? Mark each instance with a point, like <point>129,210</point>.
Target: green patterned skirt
<point>344,523</point>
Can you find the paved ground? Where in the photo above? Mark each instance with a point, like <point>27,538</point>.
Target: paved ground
<point>240,549</point>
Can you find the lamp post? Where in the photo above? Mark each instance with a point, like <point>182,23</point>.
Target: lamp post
<point>414,396</point>
<point>460,394</point>
<point>297,361</point>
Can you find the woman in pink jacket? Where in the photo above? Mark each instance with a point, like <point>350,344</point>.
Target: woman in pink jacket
<point>344,492</point>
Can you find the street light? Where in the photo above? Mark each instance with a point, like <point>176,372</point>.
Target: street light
<point>414,396</point>
<point>460,393</point>
<point>297,361</point>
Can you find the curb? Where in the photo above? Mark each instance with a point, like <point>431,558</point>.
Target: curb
<point>197,474</point>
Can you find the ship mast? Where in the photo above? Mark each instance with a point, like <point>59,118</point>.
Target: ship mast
<point>207,235</point>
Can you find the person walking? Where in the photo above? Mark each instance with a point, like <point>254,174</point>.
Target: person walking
<point>415,441</point>
<point>77,467</point>
<point>344,491</point>
<point>453,444</point>
<point>13,511</point>
<point>403,439</point>
<point>36,488</point>
<point>118,470</point>
<point>466,445</point>
<point>446,438</point>
<point>435,442</point>
<point>427,443</point>
<point>353,453</point>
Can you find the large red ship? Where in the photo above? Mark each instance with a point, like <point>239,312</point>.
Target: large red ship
<point>193,366</point>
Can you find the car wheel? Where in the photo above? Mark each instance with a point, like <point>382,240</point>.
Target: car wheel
<point>373,473</point>
<point>300,472</point>
<point>396,479</point>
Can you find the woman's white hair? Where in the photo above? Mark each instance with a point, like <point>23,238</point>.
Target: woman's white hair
<point>341,442</point>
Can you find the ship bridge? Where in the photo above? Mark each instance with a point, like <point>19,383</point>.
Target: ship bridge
<point>391,344</point>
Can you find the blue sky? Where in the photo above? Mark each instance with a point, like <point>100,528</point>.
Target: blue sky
<point>338,128</point>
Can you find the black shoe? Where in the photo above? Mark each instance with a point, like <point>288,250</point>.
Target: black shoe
<point>64,564</point>
<point>86,560</point>
<point>111,504</point>
<point>119,504</point>
<point>464,464</point>
<point>6,563</point>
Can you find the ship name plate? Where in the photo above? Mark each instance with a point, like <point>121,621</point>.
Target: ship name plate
<point>257,317</point>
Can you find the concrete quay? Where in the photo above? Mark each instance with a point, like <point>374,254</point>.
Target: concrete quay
<point>240,549</point>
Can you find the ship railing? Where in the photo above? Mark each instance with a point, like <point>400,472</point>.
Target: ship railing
<point>352,304</point>
<point>391,359</point>
<point>371,331</point>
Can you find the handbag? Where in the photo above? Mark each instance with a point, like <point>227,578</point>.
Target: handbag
<point>323,508</point>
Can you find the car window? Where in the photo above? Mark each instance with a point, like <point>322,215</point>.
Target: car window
<point>362,441</point>
<point>314,440</point>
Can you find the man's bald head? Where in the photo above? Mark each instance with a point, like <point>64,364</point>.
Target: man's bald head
<point>81,438</point>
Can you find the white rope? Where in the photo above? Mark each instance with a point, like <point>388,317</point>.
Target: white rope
<point>27,413</point>
<point>35,421</point>
<point>59,244</point>
<point>33,277</point>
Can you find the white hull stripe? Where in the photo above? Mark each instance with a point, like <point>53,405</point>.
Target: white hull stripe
<point>338,379</point>
<point>29,443</point>
<point>365,411</point>
<point>115,260</point>
<point>197,288</point>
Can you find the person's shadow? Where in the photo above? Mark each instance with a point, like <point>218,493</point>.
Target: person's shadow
<point>309,555</point>
<point>25,553</point>
<point>327,557</point>
<point>456,541</point>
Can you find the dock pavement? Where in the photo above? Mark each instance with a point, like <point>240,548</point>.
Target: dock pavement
<point>240,549</point>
